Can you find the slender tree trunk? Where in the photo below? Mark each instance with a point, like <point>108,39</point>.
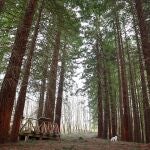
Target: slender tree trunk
<point>142,65</point>
<point>42,90</point>
<point>110,123</point>
<point>50,100</point>
<point>8,88</point>
<point>120,102</point>
<point>22,93</point>
<point>106,105</point>
<point>137,136</point>
<point>112,105</point>
<point>120,92</point>
<point>43,85</point>
<point>99,92</point>
<point>126,114</point>
<point>146,105</point>
<point>41,99</point>
<point>144,37</point>
<point>106,94</point>
<point>139,103</point>
<point>60,89</point>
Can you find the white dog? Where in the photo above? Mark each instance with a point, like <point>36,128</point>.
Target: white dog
<point>114,139</point>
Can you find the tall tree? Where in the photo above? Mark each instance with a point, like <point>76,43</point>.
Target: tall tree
<point>120,99</point>
<point>112,105</point>
<point>50,100</point>
<point>99,90</point>
<point>136,134</point>
<point>145,40</point>
<point>43,89</point>
<point>146,106</point>
<point>106,101</point>
<point>106,92</point>
<point>8,88</point>
<point>120,87</point>
<point>22,93</point>
<point>60,88</point>
<point>126,114</point>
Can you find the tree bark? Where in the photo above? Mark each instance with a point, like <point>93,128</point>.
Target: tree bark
<point>99,92</point>
<point>126,114</point>
<point>137,136</point>
<point>143,81</point>
<point>120,87</point>
<point>60,89</point>
<point>106,92</point>
<point>22,93</point>
<point>42,90</point>
<point>8,88</point>
<point>50,100</point>
<point>113,106</point>
<point>120,100</point>
<point>145,41</point>
<point>106,104</point>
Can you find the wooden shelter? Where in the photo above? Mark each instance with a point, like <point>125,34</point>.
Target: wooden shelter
<point>41,128</point>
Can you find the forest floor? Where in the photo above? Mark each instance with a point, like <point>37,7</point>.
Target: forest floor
<point>75,142</point>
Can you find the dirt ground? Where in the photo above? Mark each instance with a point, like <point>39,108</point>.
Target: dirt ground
<point>75,142</point>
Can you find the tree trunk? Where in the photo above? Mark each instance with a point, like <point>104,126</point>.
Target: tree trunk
<point>22,93</point>
<point>137,135</point>
<point>99,92</point>
<point>106,92</point>
<point>41,99</point>
<point>50,100</point>
<point>42,90</point>
<point>143,82</point>
<point>60,89</point>
<point>113,106</point>
<point>106,105</point>
<point>145,41</point>
<point>120,88</point>
<point>43,85</point>
<point>126,114</point>
<point>120,100</point>
<point>8,88</point>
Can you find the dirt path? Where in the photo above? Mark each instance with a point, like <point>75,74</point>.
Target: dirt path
<point>85,142</point>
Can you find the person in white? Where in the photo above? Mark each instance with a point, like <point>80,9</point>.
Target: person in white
<point>113,139</point>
